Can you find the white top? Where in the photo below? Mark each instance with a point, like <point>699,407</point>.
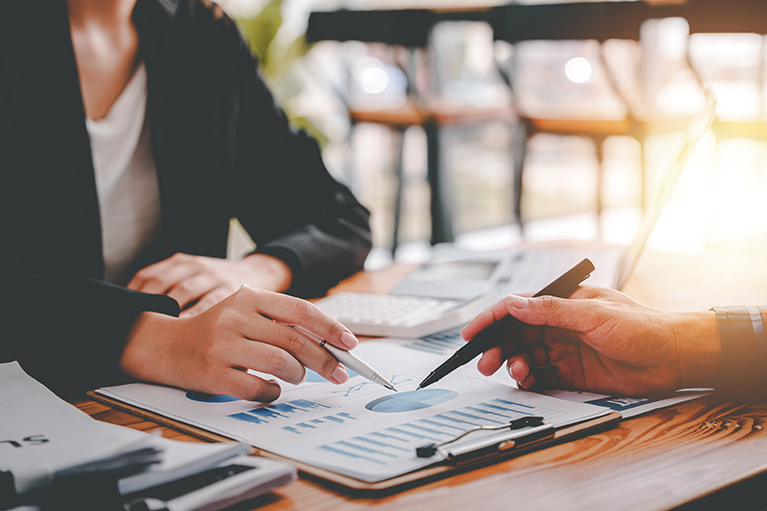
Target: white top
<point>126,178</point>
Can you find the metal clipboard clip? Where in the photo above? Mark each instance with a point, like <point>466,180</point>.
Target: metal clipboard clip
<point>517,432</point>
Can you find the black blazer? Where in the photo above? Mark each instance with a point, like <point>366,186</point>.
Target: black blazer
<point>222,150</point>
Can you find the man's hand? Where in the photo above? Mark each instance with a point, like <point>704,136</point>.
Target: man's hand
<point>212,351</point>
<point>601,340</point>
<point>197,282</point>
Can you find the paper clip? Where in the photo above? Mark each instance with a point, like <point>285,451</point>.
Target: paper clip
<point>522,430</point>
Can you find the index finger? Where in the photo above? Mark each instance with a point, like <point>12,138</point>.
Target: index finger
<point>294,311</point>
<point>483,320</point>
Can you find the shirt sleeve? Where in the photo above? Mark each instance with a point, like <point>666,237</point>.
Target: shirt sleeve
<point>744,350</point>
<point>283,194</point>
<point>68,333</point>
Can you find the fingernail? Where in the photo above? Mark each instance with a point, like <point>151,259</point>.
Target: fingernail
<point>303,378</point>
<point>339,375</point>
<point>529,383</point>
<point>511,370</point>
<point>519,302</point>
<point>348,340</point>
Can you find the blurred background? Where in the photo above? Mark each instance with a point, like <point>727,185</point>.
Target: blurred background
<point>441,124</point>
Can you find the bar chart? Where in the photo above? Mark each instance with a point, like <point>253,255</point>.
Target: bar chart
<point>443,344</point>
<point>299,416</point>
<point>393,444</point>
<point>279,411</point>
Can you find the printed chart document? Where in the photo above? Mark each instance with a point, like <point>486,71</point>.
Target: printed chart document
<point>360,429</point>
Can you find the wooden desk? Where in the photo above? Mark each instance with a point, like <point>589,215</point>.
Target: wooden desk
<point>705,450</point>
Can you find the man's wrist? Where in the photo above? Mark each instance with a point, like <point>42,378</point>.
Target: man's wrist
<point>700,347</point>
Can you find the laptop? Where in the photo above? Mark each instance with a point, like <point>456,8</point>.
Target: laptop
<point>456,274</point>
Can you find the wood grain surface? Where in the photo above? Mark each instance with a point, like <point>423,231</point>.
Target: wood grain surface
<point>704,454</point>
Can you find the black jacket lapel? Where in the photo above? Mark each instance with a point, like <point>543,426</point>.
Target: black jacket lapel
<point>50,79</point>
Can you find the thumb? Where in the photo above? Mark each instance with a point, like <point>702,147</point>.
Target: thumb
<point>577,315</point>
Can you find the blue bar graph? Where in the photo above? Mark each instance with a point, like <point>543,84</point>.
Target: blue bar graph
<point>431,431</point>
<point>457,421</point>
<point>321,423</point>
<point>397,442</point>
<point>384,435</point>
<point>403,432</point>
<point>368,450</point>
<point>380,444</point>
<point>435,423</point>
<point>443,343</point>
<point>350,454</point>
<point>512,403</point>
<point>504,409</point>
<point>477,419</point>
<point>483,413</point>
<point>248,418</point>
<point>278,411</point>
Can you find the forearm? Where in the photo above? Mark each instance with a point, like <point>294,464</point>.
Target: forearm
<point>321,254</point>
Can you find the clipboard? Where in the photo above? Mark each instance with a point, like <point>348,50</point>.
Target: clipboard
<point>524,442</point>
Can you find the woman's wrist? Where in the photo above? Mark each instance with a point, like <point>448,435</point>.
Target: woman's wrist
<point>273,274</point>
<point>700,349</point>
<point>146,355</point>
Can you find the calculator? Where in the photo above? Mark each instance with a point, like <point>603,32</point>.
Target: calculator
<point>409,317</point>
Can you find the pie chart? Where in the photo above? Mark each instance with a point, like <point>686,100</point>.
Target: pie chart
<point>209,398</point>
<point>412,400</point>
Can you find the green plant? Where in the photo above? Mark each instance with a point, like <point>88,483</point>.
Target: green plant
<point>280,62</point>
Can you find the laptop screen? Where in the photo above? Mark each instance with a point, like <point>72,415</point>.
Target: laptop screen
<point>658,197</point>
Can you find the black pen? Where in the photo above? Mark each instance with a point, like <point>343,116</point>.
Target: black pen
<point>505,327</point>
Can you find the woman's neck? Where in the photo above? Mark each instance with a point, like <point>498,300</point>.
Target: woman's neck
<point>103,12</point>
<point>105,43</point>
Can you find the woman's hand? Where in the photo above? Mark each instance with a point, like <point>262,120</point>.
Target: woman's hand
<point>197,282</point>
<point>603,341</point>
<point>212,351</point>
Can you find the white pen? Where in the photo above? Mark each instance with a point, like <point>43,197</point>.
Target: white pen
<point>349,360</point>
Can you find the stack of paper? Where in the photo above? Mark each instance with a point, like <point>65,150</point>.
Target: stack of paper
<point>44,441</point>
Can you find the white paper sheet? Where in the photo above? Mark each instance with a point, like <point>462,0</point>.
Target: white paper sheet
<point>42,436</point>
<point>361,429</point>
